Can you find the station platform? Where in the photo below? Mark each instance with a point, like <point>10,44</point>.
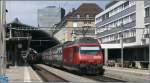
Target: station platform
<point>22,74</point>
<point>65,75</point>
<point>128,74</point>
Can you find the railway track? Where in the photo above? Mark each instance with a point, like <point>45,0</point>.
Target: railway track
<point>102,78</point>
<point>50,77</point>
<point>98,78</point>
<point>46,75</point>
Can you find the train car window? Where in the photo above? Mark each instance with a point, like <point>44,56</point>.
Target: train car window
<point>89,50</point>
<point>93,52</point>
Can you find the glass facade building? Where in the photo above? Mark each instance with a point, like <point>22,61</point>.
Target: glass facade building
<point>50,16</point>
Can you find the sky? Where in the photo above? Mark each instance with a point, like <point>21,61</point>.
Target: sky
<point>26,11</point>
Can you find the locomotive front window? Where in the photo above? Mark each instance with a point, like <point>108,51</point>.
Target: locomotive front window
<point>89,50</point>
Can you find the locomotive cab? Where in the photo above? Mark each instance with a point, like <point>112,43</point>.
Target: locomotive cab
<point>91,60</point>
<point>91,55</point>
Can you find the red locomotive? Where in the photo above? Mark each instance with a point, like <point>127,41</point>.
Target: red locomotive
<point>83,55</point>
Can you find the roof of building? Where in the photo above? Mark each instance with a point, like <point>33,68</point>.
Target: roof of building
<point>51,7</point>
<point>110,4</point>
<point>90,9</point>
<point>17,23</point>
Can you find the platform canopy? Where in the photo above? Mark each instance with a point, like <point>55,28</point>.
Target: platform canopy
<point>40,39</point>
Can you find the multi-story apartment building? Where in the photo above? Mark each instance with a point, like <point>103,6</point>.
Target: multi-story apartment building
<point>80,20</point>
<point>50,16</point>
<point>127,19</point>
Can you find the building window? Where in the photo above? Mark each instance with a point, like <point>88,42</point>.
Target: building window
<point>87,22</point>
<point>132,2</point>
<point>126,20</point>
<point>110,13</point>
<point>100,19</point>
<point>126,4</point>
<point>103,17</point>
<point>147,28</point>
<point>132,17</point>
<point>78,16</point>
<point>107,15</point>
<point>132,33</point>
<point>75,24</point>
<point>87,16</point>
<point>120,8</point>
<point>115,11</point>
<point>147,12</point>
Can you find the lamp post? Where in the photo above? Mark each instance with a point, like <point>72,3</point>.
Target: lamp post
<point>10,31</point>
<point>121,42</point>
<point>149,48</point>
<point>149,42</point>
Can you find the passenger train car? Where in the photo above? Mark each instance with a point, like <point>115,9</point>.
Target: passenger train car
<point>83,55</point>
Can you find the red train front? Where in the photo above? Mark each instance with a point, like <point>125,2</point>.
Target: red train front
<point>83,55</point>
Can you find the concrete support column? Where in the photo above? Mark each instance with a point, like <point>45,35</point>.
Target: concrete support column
<point>106,55</point>
<point>139,20</point>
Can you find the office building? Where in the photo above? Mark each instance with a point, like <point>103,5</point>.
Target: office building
<point>50,16</point>
<point>127,19</point>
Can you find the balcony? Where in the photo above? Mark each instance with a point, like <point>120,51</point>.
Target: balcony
<point>81,18</point>
<point>115,30</point>
<point>117,41</point>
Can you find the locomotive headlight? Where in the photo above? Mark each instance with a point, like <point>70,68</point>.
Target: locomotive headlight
<point>100,57</point>
<point>97,57</point>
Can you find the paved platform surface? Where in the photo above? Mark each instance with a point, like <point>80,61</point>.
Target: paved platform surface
<point>65,75</point>
<point>128,74</point>
<point>22,74</point>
